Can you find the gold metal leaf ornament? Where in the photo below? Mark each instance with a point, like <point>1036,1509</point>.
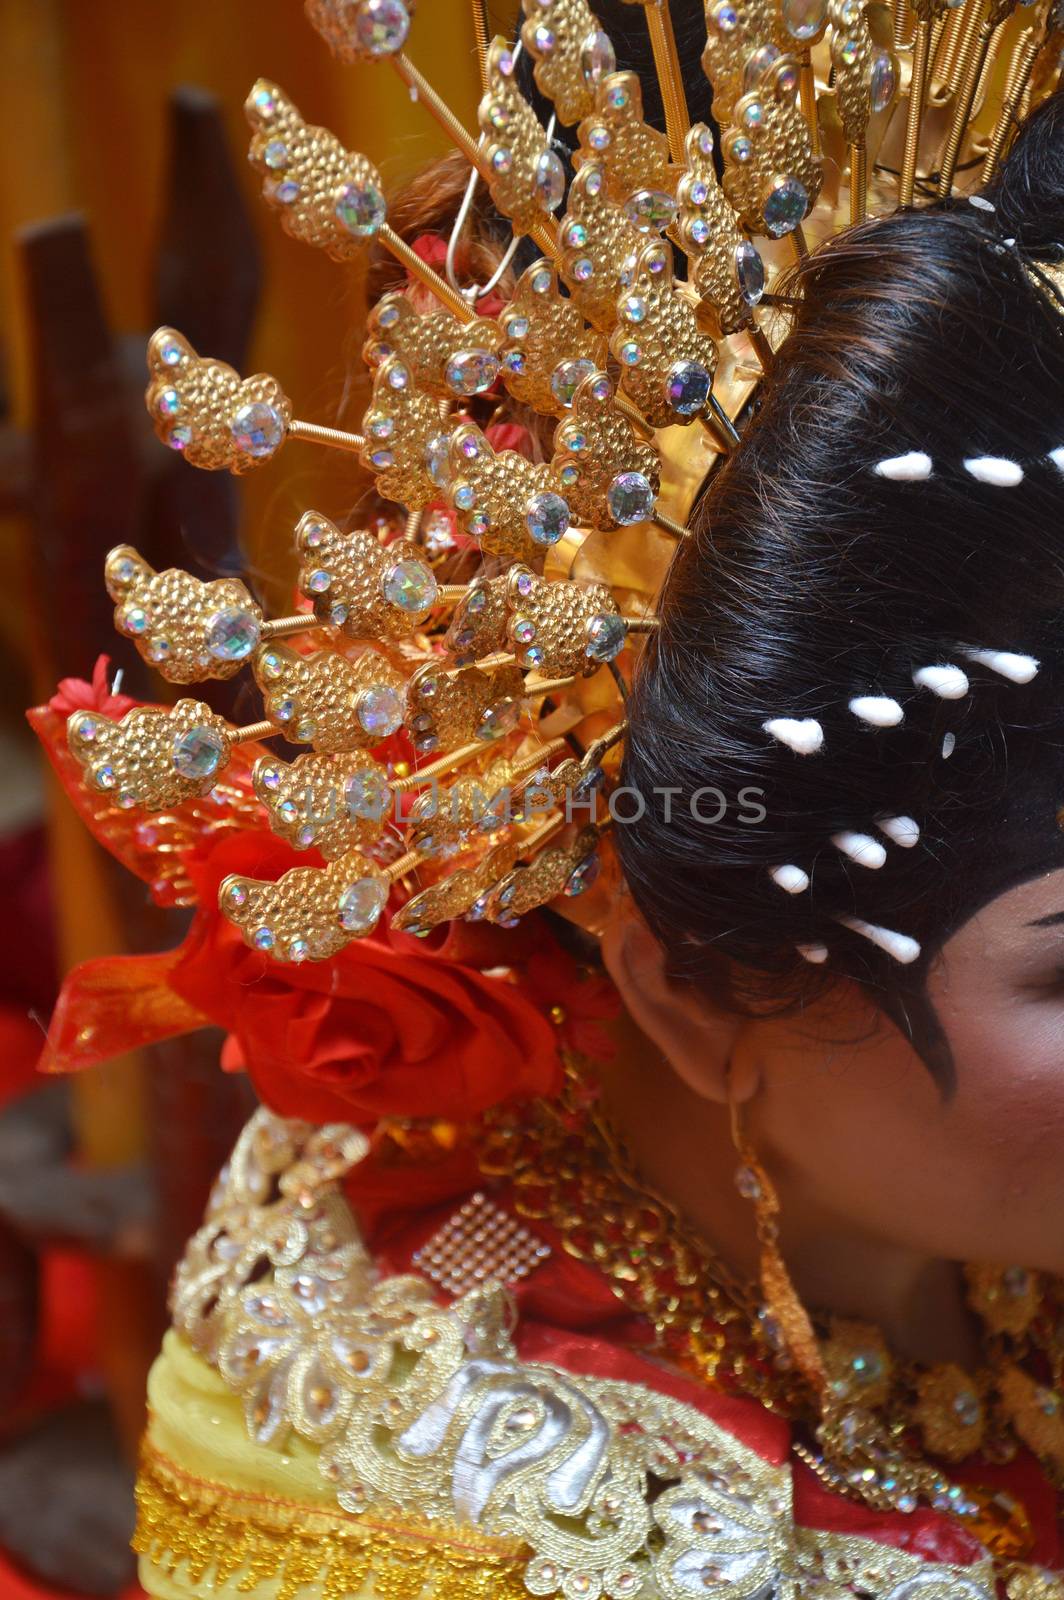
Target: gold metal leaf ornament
<point>527,179</point>
<point>203,408</point>
<point>609,475</point>
<point>187,629</point>
<point>328,701</point>
<point>310,913</point>
<point>509,504</point>
<point>368,590</point>
<point>571,52</point>
<point>155,757</point>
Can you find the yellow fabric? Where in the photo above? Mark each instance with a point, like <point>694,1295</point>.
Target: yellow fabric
<point>220,1516</point>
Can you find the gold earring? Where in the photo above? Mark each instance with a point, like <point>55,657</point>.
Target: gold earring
<point>778,1292</point>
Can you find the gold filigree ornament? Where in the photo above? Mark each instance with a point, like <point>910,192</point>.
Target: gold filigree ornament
<point>366,589</point>
<point>571,52</point>
<point>633,156</point>
<point>525,176</point>
<point>771,175</point>
<point>540,325</point>
<point>667,362</point>
<point>190,630</point>
<point>361,30</point>
<point>328,700</point>
<point>439,355</point>
<point>510,505</point>
<point>424,1418</point>
<point>324,195</point>
<point>406,442</point>
<point>741,38</point>
<point>567,869</point>
<point>204,409</point>
<point>155,756</point>
<point>311,913</point>
<point>609,475</point>
<point>448,706</point>
<point>727,270</point>
<point>553,626</point>
<point>332,803</point>
<point>596,240</point>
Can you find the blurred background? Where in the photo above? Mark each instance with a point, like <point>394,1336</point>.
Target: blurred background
<point>126,202</point>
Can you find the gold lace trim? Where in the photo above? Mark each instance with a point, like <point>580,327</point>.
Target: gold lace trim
<point>208,1529</point>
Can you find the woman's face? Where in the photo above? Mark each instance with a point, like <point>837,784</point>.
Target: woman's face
<point>853,1115</point>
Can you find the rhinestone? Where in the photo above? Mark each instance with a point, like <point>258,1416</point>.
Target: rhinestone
<point>298,950</point>
<point>262,939</point>
<point>633,308</point>
<point>232,634</point>
<point>543,39</point>
<point>168,403</point>
<point>1015,1280</point>
<point>499,116</point>
<point>597,58</point>
<point>967,1408</point>
<point>742,149</point>
<point>882,80</point>
<point>236,894</point>
<point>257,429</point>
<point>699,231</point>
<point>749,272</point>
<point>569,476</point>
<point>606,635</point>
<point>725,17</point>
<point>135,620</point>
<point>575,440</point>
<point>437,459</point>
<point>288,811</point>
<point>687,387</point>
<point>270,778</point>
<point>361,904</point>
<point>599,137</point>
<point>754,114</point>
<point>582,271</point>
<point>567,377</point>
<point>381,26</point>
<point>523,629</point>
<point>171,354</point>
<point>747,1183</point>
<point>651,210</point>
<point>867,1366</point>
<point>499,719</point>
<point>284,190</point>
<point>547,517</point>
<point>198,753</point>
<point>275,155</point>
<point>465,497</point>
<point>630,353</point>
<point>618,97</point>
<point>318,581</point>
<point>382,459</point>
<point>541,282</point>
<point>575,235</point>
<point>602,391</point>
<point>517,327</point>
<point>502,160</point>
<point>366,794</point>
<point>786,81</point>
<point>506,64</point>
<point>847,51</point>
<point>479,523</point>
<point>410,586</point>
<point>379,710</point>
<point>549,181</point>
<point>380,427</point>
<point>361,208</point>
<point>514,361</point>
<point>630,498</point>
<point>533,656</point>
<point>758,64</point>
<point>785,207</point>
<point>272,665</point>
<point>804,19</point>
<point>387,316</point>
<point>472,371</point>
<point>104,776</point>
<point>398,377</point>
<point>179,438</point>
<point>584,875</point>
<point>705,142</point>
<point>85,727</point>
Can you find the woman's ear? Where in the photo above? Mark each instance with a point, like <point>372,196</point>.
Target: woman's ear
<point>700,1042</point>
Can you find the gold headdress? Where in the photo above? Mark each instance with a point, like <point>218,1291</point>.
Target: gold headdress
<point>641,330</point>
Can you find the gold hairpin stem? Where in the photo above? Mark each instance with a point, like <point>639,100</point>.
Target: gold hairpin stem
<point>668,525</point>
<point>670,76</point>
<point>335,438</point>
<point>436,769</point>
<point>251,732</point>
<point>1024,58</point>
<point>422,90</point>
<point>807,98</point>
<point>915,109</point>
<point>973,61</point>
<point>547,686</point>
<point>284,627</point>
<point>408,258</point>
<point>858,182</point>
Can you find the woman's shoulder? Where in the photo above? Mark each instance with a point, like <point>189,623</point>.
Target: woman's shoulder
<point>324,1427</point>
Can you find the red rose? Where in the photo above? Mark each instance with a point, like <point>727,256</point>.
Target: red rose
<point>374,1032</point>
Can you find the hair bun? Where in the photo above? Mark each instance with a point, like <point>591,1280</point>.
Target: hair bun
<point>1028,192</point>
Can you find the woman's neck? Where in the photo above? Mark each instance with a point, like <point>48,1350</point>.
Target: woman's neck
<point>680,1143</point>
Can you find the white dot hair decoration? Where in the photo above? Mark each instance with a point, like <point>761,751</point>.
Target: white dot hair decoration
<point>791,879</point>
<point>803,735</point>
<point>947,681</point>
<point>912,467</point>
<point>1006,663</point>
<point>878,710</point>
<point>861,848</point>
<point>995,470</point>
<point>903,831</point>
<point>898,945</point>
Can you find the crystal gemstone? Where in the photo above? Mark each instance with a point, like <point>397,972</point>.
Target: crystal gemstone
<point>381,26</point>
<point>361,208</point>
<point>410,585</point>
<point>630,498</point>
<point>257,429</point>
<point>547,517</point>
<point>379,709</point>
<point>361,904</point>
<point>232,634</point>
<point>785,207</point>
<point>198,753</point>
<point>687,387</point>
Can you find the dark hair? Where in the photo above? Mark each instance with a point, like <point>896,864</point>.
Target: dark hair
<point>809,579</point>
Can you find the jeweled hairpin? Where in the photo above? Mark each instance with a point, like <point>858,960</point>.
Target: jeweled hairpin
<point>366,589</point>
<point>155,756</point>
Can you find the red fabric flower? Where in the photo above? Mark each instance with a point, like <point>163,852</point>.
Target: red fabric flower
<point>74,694</point>
<point>432,248</point>
<point>377,1031</point>
<point>579,1002</point>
